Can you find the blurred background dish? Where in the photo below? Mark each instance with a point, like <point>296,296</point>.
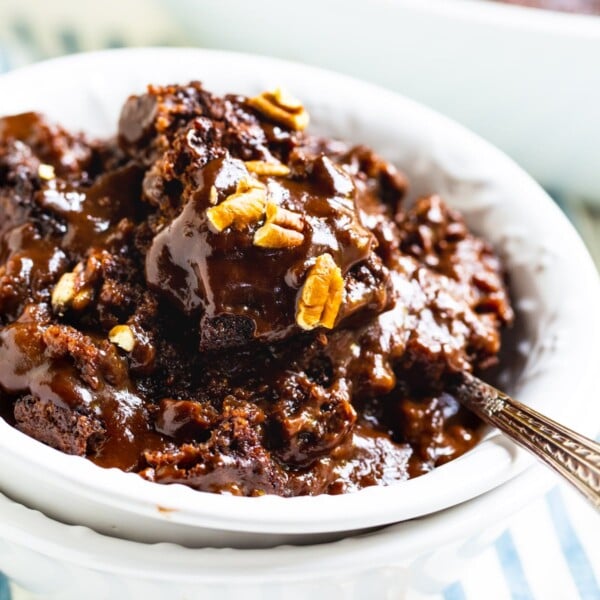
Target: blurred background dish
<point>526,80</point>
<point>584,7</point>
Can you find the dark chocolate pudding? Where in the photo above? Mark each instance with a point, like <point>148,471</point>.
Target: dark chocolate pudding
<point>216,298</point>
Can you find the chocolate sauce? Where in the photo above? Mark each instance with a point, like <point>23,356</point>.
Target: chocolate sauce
<point>136,333</point>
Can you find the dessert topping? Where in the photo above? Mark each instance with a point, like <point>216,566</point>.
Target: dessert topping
<point>122,336</point>
<point>241,209</point>
<point>281,107</point>
<point>322,294</point>
<point>267,169</point>
<point>282,229</point>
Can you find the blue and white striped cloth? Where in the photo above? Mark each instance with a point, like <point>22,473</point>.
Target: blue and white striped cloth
<point>550,551</point>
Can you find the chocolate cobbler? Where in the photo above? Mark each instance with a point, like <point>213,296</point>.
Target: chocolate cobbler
<point>215,297</point>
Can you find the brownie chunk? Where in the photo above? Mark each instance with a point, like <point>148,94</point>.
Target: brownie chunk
<point>59,426</point>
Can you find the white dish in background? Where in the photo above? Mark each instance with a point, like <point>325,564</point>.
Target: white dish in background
<point>527,80</point>
<point>552,277</point>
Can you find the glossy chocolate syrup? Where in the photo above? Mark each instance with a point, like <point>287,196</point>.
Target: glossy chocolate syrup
<point>221,389</point>
<point>224,273</point>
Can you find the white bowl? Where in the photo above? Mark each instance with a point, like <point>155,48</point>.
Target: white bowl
<point>525,79</point>
<point>54,561</point>
<point>552,278</point>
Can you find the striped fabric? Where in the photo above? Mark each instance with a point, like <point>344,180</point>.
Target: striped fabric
<point>551,550</point>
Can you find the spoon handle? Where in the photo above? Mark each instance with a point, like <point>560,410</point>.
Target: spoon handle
<point>570,454</point>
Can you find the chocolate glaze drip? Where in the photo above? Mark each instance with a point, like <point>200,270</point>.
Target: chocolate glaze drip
<point>227,278</point>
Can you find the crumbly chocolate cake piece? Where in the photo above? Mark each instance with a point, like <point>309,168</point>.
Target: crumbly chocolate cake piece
<point>216,297</point>
<point>58,426</point>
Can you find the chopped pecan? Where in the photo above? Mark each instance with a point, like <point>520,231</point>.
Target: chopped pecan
<point>275,236</point>
<point>284,99</point>
<point>70,291</point>
<point>122,336</point>
<point>64,293</point>
<point>322,294</point>
<point>213,196</point>
<point>241,209</point>
<point>286,218</point>
<point>282,229</point>
<point>282,108</point>
<point>261,167</point>
<point>46,172</point>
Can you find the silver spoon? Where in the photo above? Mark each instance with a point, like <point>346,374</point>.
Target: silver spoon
<point>570,454</point>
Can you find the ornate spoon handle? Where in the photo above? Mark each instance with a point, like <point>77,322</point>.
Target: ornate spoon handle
<point>573,456</point>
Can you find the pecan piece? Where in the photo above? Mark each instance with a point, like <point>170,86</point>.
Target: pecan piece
<point>282,229</point>
<point>275,236</point>
<point>122,336</point>
<point>322,294</point>
<point>46,172</point>
<point>63,293</point>
<point>286,218</point>
<point>281,107</point>
<point>241,209</point>
<point>213,196</point>
<point>266,169</point>
<point>70,292</point>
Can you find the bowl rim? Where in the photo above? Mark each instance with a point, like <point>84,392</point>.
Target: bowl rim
<point>271,514</point>
<point>405,542</point>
